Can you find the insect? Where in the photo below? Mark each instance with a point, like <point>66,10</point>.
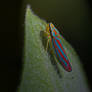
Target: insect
<point>54,39</point>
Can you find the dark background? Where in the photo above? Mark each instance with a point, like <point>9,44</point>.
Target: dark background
<point>72,17</point>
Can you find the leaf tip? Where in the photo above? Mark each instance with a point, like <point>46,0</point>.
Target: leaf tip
<point>28,6</point>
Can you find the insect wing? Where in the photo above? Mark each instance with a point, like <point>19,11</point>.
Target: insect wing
<point>59,49</point>
<point>61,55</point>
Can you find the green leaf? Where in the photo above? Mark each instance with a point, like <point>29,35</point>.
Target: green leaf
<point>39,74</point>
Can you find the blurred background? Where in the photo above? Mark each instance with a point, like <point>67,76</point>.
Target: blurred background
<point>73,18</point>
